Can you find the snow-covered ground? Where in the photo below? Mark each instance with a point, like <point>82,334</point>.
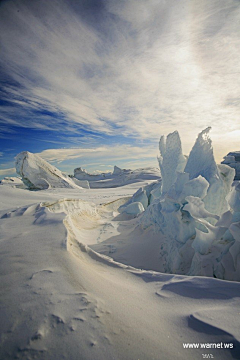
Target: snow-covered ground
<point>60,299</point>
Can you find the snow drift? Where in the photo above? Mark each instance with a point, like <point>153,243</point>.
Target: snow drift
<point>196,207</point>
<point>13,182</point>
<point>38,174</point>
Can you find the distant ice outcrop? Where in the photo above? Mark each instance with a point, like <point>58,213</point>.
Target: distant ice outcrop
<point>82,183</point>
<point>119,177</point>
<point>82,174</point>
<point>117,170</point>
<point>197,210</point>
<point>37,173</point>
<point>232,159</point>
<point>12,181</point>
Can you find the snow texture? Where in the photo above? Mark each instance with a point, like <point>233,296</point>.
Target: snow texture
<point>61,299</point>
<point>13,182</point>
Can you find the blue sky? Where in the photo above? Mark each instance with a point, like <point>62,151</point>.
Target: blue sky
<point>94,83</point>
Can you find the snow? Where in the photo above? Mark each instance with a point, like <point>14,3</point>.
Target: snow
<point>12,181</point>
<point>82,183</point>
<point>63,299</point>
<point>130,272</point>
<point>119,177</point>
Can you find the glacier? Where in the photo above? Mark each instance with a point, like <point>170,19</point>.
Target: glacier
<point>196,206</point>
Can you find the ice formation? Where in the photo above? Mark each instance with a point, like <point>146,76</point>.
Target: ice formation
<point>232,159</point>
<point>37,173</point>
<point>119,177</point>
<point>197,208</point>
<point>170,153</point>
<point>134,208</point>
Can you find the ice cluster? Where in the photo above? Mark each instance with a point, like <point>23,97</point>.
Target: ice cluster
<point>233,159</point>
<point>196,207</point>
<point>119,177</point>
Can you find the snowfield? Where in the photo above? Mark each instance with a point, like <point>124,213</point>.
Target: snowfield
<point>102,273</point>
<point>63,300</point>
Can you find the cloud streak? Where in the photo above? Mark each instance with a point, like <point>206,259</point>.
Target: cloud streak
<point>131,68</point>
<point>10,171</point>
<point>111,152</point>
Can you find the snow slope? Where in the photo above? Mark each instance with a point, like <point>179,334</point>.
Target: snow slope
<point>62,300</point>
<point>119,177</point>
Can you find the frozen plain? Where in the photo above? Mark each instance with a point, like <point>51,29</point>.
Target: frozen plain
<point>62,300</point>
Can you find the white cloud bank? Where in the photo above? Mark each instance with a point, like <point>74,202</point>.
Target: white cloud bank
<point>146,68</point>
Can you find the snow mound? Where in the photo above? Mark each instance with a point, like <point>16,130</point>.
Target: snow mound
<point>119,177</point>
<point>232,159</point>
<point>38,174</point>
<point>12,181</point>
<point>197,209</point>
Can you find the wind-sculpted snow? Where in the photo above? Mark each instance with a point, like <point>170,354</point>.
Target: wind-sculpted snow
<point>196,208</point>
<point>12,181</point>
<point>82,304</point>
<point>38,174</point>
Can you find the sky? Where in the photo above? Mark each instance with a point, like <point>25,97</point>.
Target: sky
<point>94,83</point>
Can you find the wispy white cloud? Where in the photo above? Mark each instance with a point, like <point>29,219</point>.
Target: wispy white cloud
<point>148,68</point>
<point>111,153</point>
<point>10,171</point>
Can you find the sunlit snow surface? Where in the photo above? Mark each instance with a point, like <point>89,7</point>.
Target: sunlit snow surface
<point>60,298</point>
